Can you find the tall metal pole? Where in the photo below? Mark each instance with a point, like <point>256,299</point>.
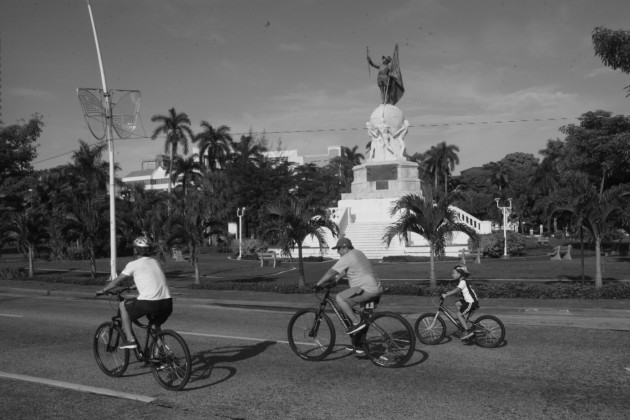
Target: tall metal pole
<point>110,143</point>
<point>240,212</point>
<point>505,211</point>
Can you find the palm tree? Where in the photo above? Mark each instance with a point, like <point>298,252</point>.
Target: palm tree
<point>191,224</point>
<point>352,155</point>
<point>248,149</point>
<point>176,127</point>
<point>500,173</point>
<point>215,145</point>
<point>441,159</point>
<point>189,169</point>
<point>88,163</point>
<point>430,217</point>
<point>292,219</point>
<point>595,210</point>
<point>26,228</point>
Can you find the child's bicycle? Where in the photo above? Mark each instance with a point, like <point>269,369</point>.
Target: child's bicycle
<point>388,339</point>
<point>431,329</point>
<point>164,351</point>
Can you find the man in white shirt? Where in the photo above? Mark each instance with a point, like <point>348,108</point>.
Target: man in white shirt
<point>154,296</point>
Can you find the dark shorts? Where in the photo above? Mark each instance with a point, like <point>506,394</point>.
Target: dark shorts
<point>467,307</point>
<point>159,310</point>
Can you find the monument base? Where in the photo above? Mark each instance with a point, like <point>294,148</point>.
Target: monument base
<point>384,179</point>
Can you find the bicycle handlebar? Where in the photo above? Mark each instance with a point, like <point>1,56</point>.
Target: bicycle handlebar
<point>116,291</point>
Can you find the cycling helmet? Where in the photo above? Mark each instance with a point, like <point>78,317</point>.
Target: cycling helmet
<point>142,242</point>
<point>461,269</point>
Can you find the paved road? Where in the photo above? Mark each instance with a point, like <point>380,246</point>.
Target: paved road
<point>244,369</point>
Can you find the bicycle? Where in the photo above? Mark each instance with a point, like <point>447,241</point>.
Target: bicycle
<point>165,351</point>
<point>388,339</point>
<point>430,328</point>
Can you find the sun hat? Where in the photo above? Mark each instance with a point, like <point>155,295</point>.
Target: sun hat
<point>343,242</point>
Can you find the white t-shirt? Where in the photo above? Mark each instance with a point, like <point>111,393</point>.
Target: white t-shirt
<point>468,293</point>
<point>149,278</point>
<point>359,271</point>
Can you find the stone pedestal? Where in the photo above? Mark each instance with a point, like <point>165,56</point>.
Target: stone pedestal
<point>386,179</point>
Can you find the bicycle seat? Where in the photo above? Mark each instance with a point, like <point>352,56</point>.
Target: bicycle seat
<point>157,319</point>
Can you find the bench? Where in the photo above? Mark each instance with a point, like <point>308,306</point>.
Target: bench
<point>543,240</point>
<point>469,253</point>
<point>267,256</point>
<point>558,252</point>
<point>178,256</point>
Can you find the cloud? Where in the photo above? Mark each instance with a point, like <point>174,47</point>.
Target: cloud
<point>28,93</point>
<point>292,47</point>
<point>599,71</point>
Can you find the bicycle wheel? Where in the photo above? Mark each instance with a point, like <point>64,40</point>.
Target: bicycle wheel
<point>389,340</point>
<point>311,338</point>
<point>430,328</point>
<point>112,360</point>
<point>489,331</point>
<point>170,360</point>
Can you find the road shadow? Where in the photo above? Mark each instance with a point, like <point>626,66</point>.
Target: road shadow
<point>212,361</point>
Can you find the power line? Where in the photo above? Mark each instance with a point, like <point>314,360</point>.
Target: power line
<point>329,130</point>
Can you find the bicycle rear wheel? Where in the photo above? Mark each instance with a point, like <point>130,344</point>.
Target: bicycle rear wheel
<point>309,337</point>
<point>389,340</point>
<point>171,363</point>
<point>430,328</point>
<point>112,360</point>
<point>489,331</point>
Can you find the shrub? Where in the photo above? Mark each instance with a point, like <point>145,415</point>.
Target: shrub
<point>251,247</point>
<point>8,272</point>
<point>492,244</point>
<point>76,253</point>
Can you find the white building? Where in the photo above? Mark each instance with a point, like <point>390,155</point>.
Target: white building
<point>152,175</point>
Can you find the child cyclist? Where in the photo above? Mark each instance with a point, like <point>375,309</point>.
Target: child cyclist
<point>469,301</point>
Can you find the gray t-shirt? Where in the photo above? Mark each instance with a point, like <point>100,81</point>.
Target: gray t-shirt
<point>359,271</point>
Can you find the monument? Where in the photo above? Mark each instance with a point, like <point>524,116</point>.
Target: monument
<point>386,174</point>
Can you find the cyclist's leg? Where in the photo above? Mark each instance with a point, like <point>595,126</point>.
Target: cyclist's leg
<point>462,307</point>
<point>126,318</point>
<point>349,298</point>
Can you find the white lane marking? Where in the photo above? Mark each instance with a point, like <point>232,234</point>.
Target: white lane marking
<point>77,387</point>
<point>12,316</point>
<point>232,337</point>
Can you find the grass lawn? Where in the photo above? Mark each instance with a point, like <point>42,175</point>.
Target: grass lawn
<point>218,267</point>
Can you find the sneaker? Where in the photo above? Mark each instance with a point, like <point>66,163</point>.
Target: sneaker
<point>356,350</point>
<point>128,344</point>
<point>356,328</point>
<point>467,334</point>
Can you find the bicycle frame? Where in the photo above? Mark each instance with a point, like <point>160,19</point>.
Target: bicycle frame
<point>364,312</point>
<point>452,316</point>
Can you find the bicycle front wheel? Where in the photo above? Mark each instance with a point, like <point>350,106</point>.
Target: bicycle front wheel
<point>310,337</point>
<point>430,328</point>
<point>112,360</point>
<point>389,340</point>
<point>170,360</point>
<point>489,331</point>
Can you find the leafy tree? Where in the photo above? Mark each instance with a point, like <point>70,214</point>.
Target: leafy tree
<point>500,173</point>
<point>88,163</point>
<point>90,224</point>
<point>215,145</point>
<point>429,216</point>
<point>191,224</point>
<point>249,148</point>
<point>25,228</point>
<point>19,148</point>
<point>292,219</point>
<point>613,47</point>
<point>596,211</point>
<point>176,127</point>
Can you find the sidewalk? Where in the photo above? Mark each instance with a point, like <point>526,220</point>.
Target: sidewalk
<point>598,314</point>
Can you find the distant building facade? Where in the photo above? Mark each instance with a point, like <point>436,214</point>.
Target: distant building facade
<point>152,175</point>
<point>294,157</point>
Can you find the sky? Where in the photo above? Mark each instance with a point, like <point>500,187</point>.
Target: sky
<point>490,77</point>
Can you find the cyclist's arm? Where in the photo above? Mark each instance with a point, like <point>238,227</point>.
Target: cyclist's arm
<point>328,276</point>
<point>451,292</point>
<point>121,277</point>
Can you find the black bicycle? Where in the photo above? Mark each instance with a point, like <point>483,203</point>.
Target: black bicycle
<point>430,328</point>
<point>388,339</point>
<point>164,351</point>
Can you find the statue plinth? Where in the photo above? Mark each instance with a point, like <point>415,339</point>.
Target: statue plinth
<point>385,179</point>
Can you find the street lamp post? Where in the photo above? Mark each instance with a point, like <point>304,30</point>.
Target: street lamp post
<point>506,211</point>
<point>239,213</point>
